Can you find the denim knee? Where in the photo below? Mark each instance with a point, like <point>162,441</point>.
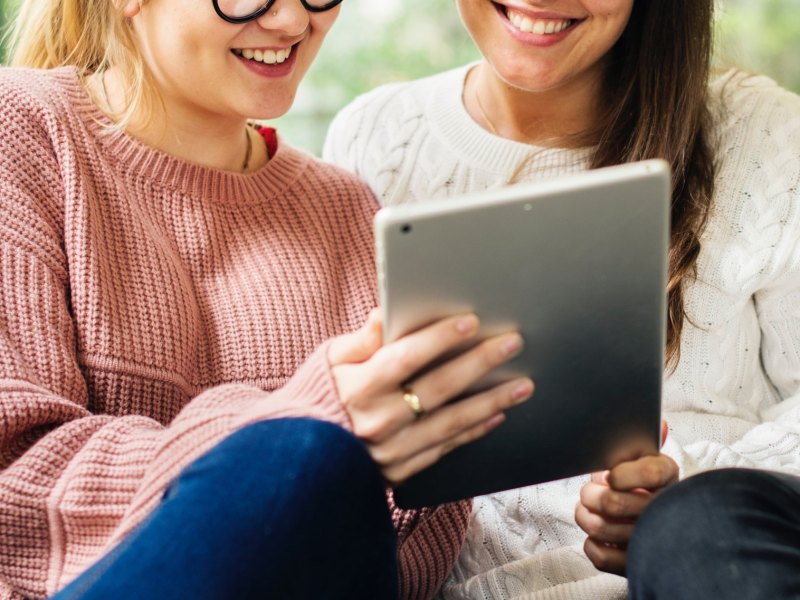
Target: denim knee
<point>725,533</point>
<point>689,505</point>
<point>307,455</point>
<point>682,512</point>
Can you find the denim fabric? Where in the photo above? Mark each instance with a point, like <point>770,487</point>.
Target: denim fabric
<point>727,534</point>
<point>289,508</point>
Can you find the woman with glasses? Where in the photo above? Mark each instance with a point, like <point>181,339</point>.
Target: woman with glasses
<point>569,85</point>
<point>173,422</point>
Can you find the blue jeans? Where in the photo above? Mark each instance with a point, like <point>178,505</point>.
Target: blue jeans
<point>727,534</point>
<point>289,508</point>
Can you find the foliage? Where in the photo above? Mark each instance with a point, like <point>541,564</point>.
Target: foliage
<point>5,10</point>
<point>377,41</point>
<point>761,37</point>
<point>366,49</point>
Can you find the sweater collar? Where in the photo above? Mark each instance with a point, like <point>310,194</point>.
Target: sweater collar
<point>480,149</point>
<point>155,167</point>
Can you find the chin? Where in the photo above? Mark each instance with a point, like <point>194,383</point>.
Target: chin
<point>272,108</point>
<point>527,82</point>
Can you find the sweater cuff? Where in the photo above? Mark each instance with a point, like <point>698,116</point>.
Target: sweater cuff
<point>312,386</point>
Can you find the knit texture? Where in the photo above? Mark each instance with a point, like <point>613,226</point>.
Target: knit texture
<point>734,399</point>
<point>151,306</point>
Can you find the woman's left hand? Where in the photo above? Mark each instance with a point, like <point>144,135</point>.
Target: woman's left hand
<point>612,502</point>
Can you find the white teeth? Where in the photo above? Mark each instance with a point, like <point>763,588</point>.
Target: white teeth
<point>269,57</point>
<point>536,26</point>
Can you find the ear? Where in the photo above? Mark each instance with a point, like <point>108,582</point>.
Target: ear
<point>131,8</point>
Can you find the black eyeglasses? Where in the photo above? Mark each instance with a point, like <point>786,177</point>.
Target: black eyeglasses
<point>242,11</point>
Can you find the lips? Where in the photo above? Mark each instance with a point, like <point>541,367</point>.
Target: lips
<point>269,63</point>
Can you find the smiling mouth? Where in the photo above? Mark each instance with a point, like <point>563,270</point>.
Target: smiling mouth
<point>527,24</point>
<point>267,57</point>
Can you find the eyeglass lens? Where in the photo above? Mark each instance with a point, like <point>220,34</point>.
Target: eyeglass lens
<point>238,9</point>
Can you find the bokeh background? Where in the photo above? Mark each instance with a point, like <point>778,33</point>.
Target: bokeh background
<point>378,41</point>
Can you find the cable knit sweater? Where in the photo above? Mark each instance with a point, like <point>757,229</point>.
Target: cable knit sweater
<point>734,399</point>
<point>148,308</point>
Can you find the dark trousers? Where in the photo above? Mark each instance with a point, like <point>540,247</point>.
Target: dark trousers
<point>727,534</point>
<point>290,508</point>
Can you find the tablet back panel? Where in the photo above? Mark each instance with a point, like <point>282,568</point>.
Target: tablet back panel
<point>579,266</point>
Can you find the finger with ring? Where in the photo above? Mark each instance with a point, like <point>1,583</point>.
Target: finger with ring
<point>413,402</point>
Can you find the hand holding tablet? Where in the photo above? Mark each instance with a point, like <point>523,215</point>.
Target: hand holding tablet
<point>406,436</point>
<point>578,266</point>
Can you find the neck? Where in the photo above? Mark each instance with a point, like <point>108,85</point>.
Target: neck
<point>558,117</point>
<point>202,138</point>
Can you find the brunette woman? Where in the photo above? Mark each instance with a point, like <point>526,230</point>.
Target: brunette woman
<point>569,85</point>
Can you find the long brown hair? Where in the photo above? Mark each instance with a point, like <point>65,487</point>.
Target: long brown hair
<point>656,94</point>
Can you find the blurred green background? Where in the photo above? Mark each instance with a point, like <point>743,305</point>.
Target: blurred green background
<point>377,41</point>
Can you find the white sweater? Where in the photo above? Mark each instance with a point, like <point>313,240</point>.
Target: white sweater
<point>734,399</point>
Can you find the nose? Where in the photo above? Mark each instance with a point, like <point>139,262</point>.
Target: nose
<point>287,16</point>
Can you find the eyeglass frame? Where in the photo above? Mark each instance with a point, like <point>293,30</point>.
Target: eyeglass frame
<point>267,5</point>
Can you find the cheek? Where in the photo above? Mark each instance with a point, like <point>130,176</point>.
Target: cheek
<point>168,40</point>
<point>614,12</point>
<point>610,6</point>
<point>471,17</point>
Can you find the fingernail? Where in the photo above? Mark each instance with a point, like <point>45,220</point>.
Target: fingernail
<point>512,345</point>
<point>467,324</point>
<point>495,421</point>
<point>522,392</point>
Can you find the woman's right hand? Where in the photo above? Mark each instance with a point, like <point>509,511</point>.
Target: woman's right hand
<point>371,380</point>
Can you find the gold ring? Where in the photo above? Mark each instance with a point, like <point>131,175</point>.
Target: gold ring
<point>412,401</point>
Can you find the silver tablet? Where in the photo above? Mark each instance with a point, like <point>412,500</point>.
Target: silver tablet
<point>578,265</point>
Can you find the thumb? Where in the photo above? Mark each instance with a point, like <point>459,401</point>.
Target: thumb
<point>359,345</point>
<point>664,432</point>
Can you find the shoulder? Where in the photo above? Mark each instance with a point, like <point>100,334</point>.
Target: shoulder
<point>336,209</point>
<point>32,117</point>
<point>30,92</point>
<point>328,174</point>
<point>383,117</point>
<point>756,129</point>
<point>757,195</point>
<point>755,107</point>
<point>35,106</point>
<point>384,134</point>
<point>328,182</point>
<point>755,120</point>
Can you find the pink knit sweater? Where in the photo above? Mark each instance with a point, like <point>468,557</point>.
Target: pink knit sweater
<point>149,308</point>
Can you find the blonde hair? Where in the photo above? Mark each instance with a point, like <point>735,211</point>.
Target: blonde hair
<point>91,35</point>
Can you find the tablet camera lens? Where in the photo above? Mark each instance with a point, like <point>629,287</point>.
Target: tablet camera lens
<point>406,228</point>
